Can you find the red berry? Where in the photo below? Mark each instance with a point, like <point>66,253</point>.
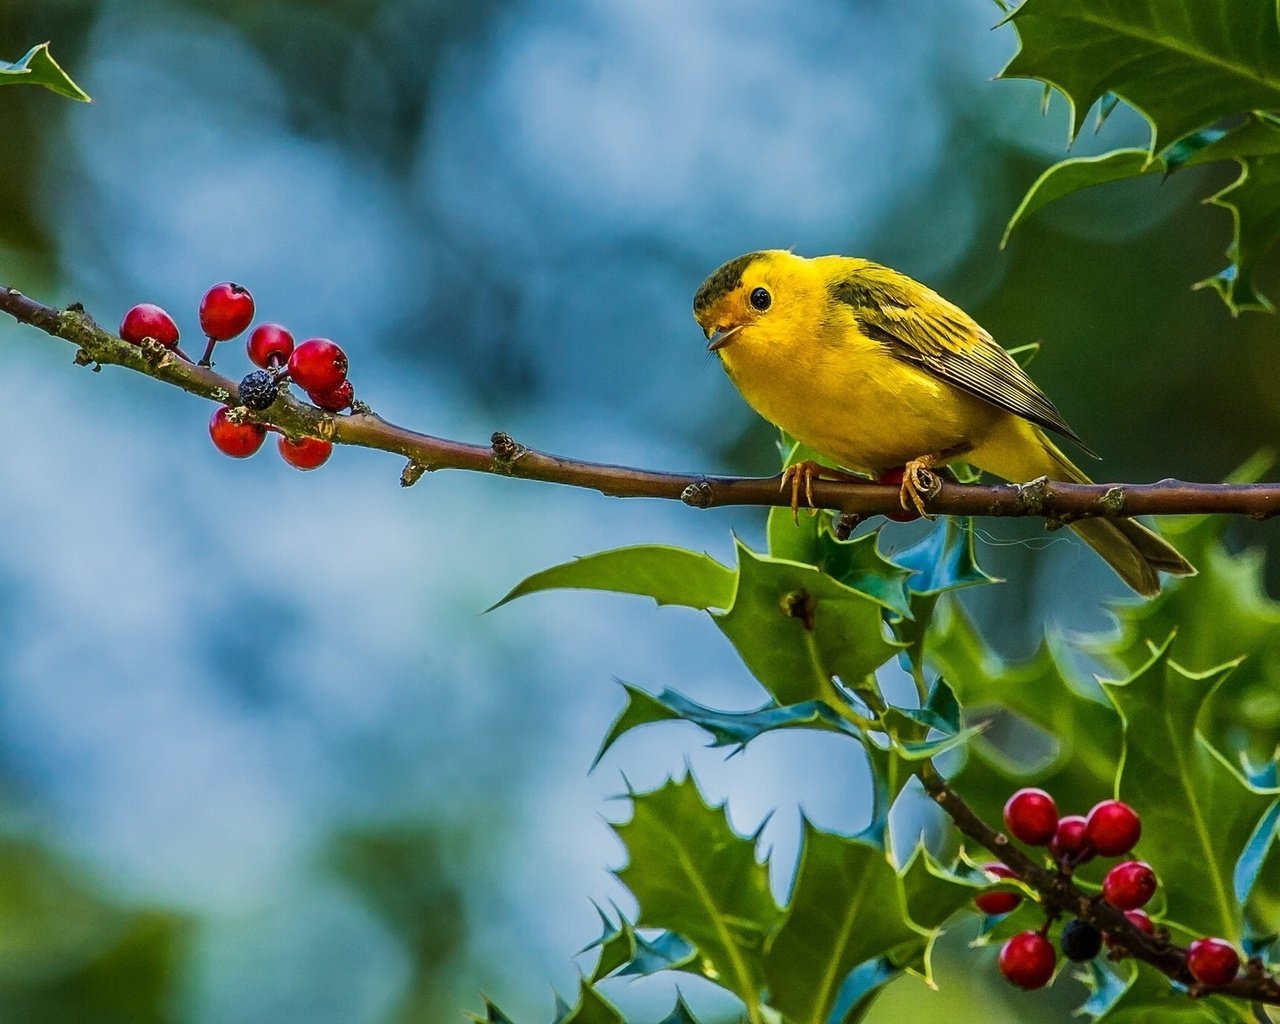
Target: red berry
<point>1032,816</point>
<point>269,346</point>
<point>1129,885</point>
<point>335,401</point>
<point>994,903</point>
<point>1139,919</point>
<point>318,365</point>
<point>1212,962</point>
<point>239,440</point>
<point>1027,960</point>
<point>894,476</point>
<point>306,452</point>
<point>1113,828</point>
<point>225,311</point>
<point>1070,842</point>
<point>148,321</point>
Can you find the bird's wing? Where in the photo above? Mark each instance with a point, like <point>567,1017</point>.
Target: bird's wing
<point>918,326</point>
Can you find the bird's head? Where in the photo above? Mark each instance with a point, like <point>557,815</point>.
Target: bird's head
<point>743,293</point>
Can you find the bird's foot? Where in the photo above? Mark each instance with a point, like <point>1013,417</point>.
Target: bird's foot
<point>801,475</point>
<point>919,483</point>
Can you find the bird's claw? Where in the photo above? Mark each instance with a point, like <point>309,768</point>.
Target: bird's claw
<point>919,482</point>
<point>801,474</point>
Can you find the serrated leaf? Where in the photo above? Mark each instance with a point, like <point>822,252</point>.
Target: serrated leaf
<point>1073,713</point>
<point>1254,145</point>
<point>492,1015</point>
<point>796,628</point>
<point>667,952</point>
<point>846,907</point>
<point>692,874</point>
<point>1221,614</point>
<point>934,893</point>
<point>616,945</point>
<point>860,989</point>
<point>668,575</point>
<point>1070,176</point>
<point>1149,997</point>
<point>1185,64</point>
<point>681,1014</point>
<point>592,1008</point>
<point>1197,812</point>
<point>37,67</point>
<point>1253,200</point>
<point>944,559</point>
<point>1256,853</point>
<point>727,728</point>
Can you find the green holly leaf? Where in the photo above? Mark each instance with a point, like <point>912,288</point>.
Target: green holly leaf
<point>944,560</point>
<point>1253,200</point>
<point>727,728</point>
<point>1147,997</point>
<point>1185,64</point>
<point>592,1008</point>
<point>1081,728</point>
<point>692,874</point>
<point>1219,615</point>
<point>1078,173</point>
<point>37,67</point>
<point>681,1014</point>
<point>795,628</point>
<point>492,1015</point>
<point>934,893</point>
<point>847,906</point>
<point>1255,213</point>
<point>668,575</point>
<point>1197,811</point>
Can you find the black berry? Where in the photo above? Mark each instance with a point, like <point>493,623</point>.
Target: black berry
<point>258,390</point>
<point>1081,941</point>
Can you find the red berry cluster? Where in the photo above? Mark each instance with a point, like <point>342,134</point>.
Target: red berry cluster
<point>1111,829</point>
<point>317,365</point>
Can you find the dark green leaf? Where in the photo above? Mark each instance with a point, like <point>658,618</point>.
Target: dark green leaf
<point>1253,200</point>
<point>1197,812</point>
<point>1185,64</point>
<point>860,989</point>
<point>681,1014</point>
<point>727,728</point>
<point>692,874</point>
<point>592,1008</point>
<point>616,945</point>
<point>1069,176</point>
<point>796,628</point>
<point>1256,853</point>
<point>37,67</point>
<point>1082,730</point>
<point>668,575</point>
<point>667,952</point>
<point>1149,998</point>
<point>847,906</point>
<point>932,892</point>
<point>944,559</point>
<point>492,1015</point>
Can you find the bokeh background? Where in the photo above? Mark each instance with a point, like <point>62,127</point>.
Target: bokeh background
<point>262,757</point>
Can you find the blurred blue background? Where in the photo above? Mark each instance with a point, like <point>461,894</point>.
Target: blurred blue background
<point>261,755</point>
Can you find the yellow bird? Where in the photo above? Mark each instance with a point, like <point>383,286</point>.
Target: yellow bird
<point>875,371</point>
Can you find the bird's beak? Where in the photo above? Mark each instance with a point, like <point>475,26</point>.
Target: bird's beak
<point>718,339</point>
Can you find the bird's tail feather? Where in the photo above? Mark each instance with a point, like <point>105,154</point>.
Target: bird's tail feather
<point>1137,554</point>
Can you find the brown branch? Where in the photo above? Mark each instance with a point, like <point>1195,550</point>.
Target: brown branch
<point>1059,893</point>
<point>1057,502</point>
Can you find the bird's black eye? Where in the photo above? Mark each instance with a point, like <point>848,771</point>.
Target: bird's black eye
<point>760,299</point>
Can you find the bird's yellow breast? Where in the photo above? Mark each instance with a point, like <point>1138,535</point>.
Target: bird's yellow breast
<point>843,394</point>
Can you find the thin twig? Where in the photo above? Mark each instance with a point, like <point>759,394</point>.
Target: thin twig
<point>1058,503</point>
